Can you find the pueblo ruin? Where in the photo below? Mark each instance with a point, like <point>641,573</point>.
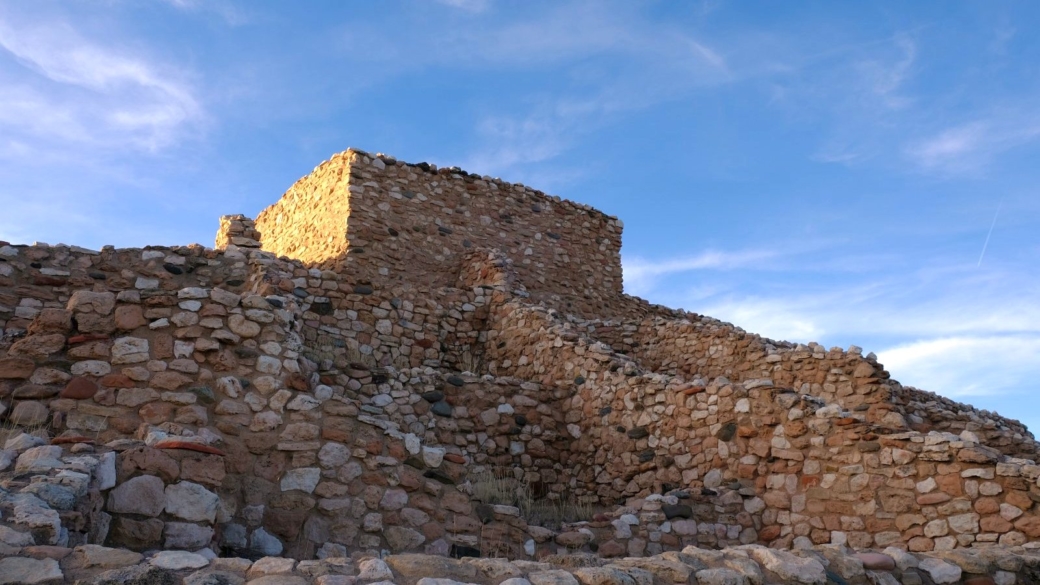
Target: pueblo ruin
<point>409,374</point>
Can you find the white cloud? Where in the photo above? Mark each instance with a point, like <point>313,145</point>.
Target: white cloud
<point>648,64</point>
<point>641,275</point>
<point>966,366</point>
<point>970,147</point>
<point>467,5</point>
<point>511,143</point>
<point>61,88</point>
<point>886,77</point>
<point>231,13</point>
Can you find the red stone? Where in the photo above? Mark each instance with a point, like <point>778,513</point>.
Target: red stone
<point>70,440</point>
<point>79,389</point>
<point>16,368</point>
<point>85,338</point>
<point>117,381</point>
<point>1030,525</point>
<point>844,422</point>
<point>693,390</point>
<point>424,343</point>
<point>188,446</point>
<point>454,458</point>
<point>769,533</point>
<point>41,280</point>
<point>808,481</point>
<point>298,382</point>
<point>994,524</point>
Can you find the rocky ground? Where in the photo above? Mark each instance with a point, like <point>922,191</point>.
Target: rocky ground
<point>742,565</point>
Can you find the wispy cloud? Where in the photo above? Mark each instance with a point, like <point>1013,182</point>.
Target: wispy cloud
<point>966,366</point>
<point>650,64</point>
<point>859,91</point>
<point>467,5</point>
<point>885,78</point>
<point>231,13</point>
<point>971,147</point>
<point>641,275</point>
<point>60,87</point>
<point>515,142</point>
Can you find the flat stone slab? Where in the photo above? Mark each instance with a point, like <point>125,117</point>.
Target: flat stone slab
<point>176,560</point>
<point>25,571</point>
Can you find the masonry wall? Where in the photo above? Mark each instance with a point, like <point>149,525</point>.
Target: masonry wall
<point>259,404</point>
<point>309,222</point>
<point>249,415</point>
<point>700,347</point>
<point>414,223</point>
<point>786,466</point>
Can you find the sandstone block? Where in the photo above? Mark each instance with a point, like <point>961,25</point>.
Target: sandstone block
<point>144,495</point>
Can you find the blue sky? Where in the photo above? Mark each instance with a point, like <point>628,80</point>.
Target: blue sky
<point>847,173</point>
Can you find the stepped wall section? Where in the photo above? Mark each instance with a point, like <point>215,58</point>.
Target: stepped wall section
<point>348,373</point>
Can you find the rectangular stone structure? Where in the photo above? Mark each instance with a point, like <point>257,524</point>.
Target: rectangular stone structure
<point>383,222</point>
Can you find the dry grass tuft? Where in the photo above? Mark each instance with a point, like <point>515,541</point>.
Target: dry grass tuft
<point>552,512</point>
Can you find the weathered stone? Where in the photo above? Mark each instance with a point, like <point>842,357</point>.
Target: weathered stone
<point>239,325</point>
<point>29,413</point>
<point>185,535</point>
<point>303,479</point>
<point>191,501</point>
<point>38,346</point>
<point>39,459</point>
<point>144,495</point>
<point>265,543</point>
<point>573,539</point>
<point>602,576</point>
<point>374,570</point>
<point>16,368</point>
<point>940,571</point>
<point>139,534</point>
<point>176,560</point>
<point>720,577</point>
<point>415,566</point>
<point>553,577</point>
<point>79,388</point>
<point>402,539</point>
<point>789,567</point>
<point>23,571</point>
<point>92,556</point>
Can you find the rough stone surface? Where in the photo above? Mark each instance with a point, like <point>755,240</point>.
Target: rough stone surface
<point>144,495</point>
<point>23,571</point>
<point>392,353</point>
<point>177,560</point>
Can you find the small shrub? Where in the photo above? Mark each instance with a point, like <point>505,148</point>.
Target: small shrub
<point>502,488</point>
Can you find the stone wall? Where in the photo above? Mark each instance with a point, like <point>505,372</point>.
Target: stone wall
<point>783,462</point>
<point>700,347</point>
<point>385,222</point>
<point>345,391</point>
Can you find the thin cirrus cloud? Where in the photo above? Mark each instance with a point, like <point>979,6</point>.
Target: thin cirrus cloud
<point>950,328</point>
<point>62,88</point>
<point>971,147</point>
<point>649,65</point>
<point>979,345</point>
<point>642,276</point>
<point>966,365</point>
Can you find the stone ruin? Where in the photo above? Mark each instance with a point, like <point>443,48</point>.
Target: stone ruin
<point>399,373</point>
